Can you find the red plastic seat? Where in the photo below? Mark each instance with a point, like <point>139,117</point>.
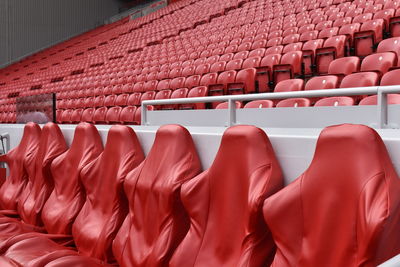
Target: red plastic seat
<point>274,41</point>
<point>327,33</point>
<point>112,115</point>
<point>362,18</point>
<point>192,81</point>
<point>221,86</point>
<point>379,62</point>
<point>245,82</point>
<point>333,48</point>
<point>391,78</point>
<point>293,38</point>
<point>309,49</point>
<point>259,104</point>
<point>370,34</point>
<point>364,180</point>
<point>109,101</point>
<point>200,91</point>
<point>225,105</point>
<point>293,102</point>
<point>390,45</point>
<point>260,52</point>
<point>234,64</point>
<point>76,115</point>
<point>206,197</point>
<point>87,115</point>
<point>150,85</point>
<point>392,99</point>
<point>20,161</point>
<point>202,69</point>
<point>134,99</point>
<point>264,71</point>
<point>289,85</point>
<point>335,101</point>
<point>322,82</point>
<point>289,66</point>
<point>344,66</point>
<point>127,115</point>
<point>218,66</point>
<point>164,94</point>
<point>252,62</point>
<point>361,79</point>
<point>179,93</point>
<point>187,71</point>
<point>99,115</point>
<point>274,50</point>
<point>172,161</point>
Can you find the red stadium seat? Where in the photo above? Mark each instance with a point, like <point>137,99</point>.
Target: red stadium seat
<point>289,85</point>
<point>289,66</point>
<point>225,105</point>
<point>367,39</point>
<point>333,48</point>
<point>309,49</point>
<point>259,104</point>
<point>218,66</point>
<point>380,62</point>
<point>390,45</point>
<point>344,66</point>
<point>234,64</point>
<point>392,99</point>
<point>200,91</point>
<point>134,99</point>
<point>87,115</point>
<point>127,115</point>
<point>253,62</point>
<point>245,82</point>
<point>112,115</point>
<point>391,78</point>
<point>364,180</point>
<point>192,81</point>
<point>205,197</point>
<point>99,115</point>
<point>335,101</point>
<point>322,82</point>
<point>122,100</point>
<point>294,102</point>
<point>164,94</point>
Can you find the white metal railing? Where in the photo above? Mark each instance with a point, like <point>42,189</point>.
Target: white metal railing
<point>381,91</point>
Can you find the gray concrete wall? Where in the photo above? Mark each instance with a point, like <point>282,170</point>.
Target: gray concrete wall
<point>28,26</point>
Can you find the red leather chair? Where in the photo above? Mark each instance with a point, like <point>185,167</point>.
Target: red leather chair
<point>312,233</point>
<point>219,236</point>
<point>172,161</point>
<point>100,217</point>
<point>20,161</point>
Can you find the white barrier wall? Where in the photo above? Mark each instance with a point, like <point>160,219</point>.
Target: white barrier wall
<point>294,147</point>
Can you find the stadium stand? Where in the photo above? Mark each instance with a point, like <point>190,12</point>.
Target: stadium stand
<point>159,52</point>
<point>110,195</point>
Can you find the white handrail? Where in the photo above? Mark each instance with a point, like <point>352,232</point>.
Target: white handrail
<point>381,91</point>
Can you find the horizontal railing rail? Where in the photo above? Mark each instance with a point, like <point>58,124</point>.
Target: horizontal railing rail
<point>380,91</point>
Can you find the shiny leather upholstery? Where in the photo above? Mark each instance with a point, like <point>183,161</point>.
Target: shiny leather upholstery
<point>343,210</point>
<point>225,204</point>
<point>156,222</point>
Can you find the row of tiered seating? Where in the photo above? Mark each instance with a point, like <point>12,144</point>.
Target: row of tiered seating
<point>233,47</point>
<point>87,206</point>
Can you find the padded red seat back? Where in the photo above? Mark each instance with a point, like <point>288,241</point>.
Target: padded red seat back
<point>105,207</point>
<point>153,191</point>
<point>87,115</point>
<point>41,184</point>
<point>68,197</point>
<point>112,115</point>
<point>244,172</point>
<point>343,209</point>
<point>21,164</point>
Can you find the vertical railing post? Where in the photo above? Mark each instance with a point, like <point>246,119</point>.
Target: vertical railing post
<point>144,114</point>
<point>382,109</point>
<point>231,112</point>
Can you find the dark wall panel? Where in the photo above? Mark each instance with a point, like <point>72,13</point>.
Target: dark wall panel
<point>32,25</point>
